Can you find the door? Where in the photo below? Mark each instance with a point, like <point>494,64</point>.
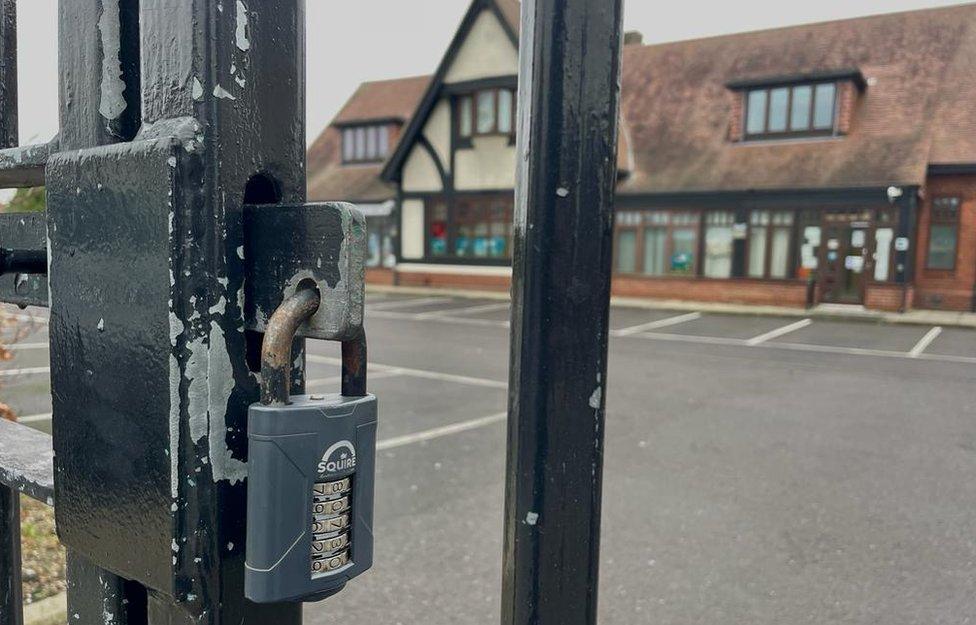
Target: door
<point>846,261</point>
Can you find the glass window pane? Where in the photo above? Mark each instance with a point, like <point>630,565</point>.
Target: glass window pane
<point>348,144</point>
<point>360,143</point>
<point>438,229</point>
<point>627,251</point>
<point>809,251</point>
<point>486,112</point>
<point>684,242</point>
<point>942,247</point>
<point>372,143</point>
<point>756,121</point>
<point>800,114</point>
<point>655,240</point>
<point>779,259</point>
<point>779,100</point>
<point>383,147</point>
<point>757,252</point>
<point>823,114</point>
<point>882,253</point>
<point>466,122</point>
<point>718,246</point>
<point>505,111</point>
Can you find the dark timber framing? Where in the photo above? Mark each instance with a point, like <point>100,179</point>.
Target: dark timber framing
<point>568,117</point>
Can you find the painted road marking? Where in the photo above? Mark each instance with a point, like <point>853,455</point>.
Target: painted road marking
<point>20,347</point>
<point>35,418</point>
<point>27,318</point>
<point>418,373</point>
<point>407,303</point>
<point>803,347</point>
<point>925,342</point>
<point>654,325</point>
<point>778,332</point>
<point>9,373</point>
<point>464,321</point>
<point>336,379</point>
<point>469,310</point>
<point>447,430</point>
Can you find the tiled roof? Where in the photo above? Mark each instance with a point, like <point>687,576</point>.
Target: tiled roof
<point>919,66</point>
<point>916,109</point>
<point>328,178</point>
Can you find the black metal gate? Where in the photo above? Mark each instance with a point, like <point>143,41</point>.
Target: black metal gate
<point>175,116</point>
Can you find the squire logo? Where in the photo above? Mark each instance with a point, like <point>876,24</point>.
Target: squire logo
<point>339,457</point>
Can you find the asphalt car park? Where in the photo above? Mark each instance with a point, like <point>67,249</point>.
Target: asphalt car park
<point>759,470</point>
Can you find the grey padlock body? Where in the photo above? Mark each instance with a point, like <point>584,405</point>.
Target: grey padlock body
<point>311,469</point>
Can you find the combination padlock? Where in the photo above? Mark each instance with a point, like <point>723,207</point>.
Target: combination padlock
<point>311,467</point>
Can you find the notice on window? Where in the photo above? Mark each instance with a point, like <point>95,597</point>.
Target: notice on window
<point>854,263</point>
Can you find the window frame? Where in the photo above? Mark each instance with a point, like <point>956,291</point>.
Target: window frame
<point>642,223</point>
<point>479,202</point>
<point>792,249</point>
<point>935,219</point>
<point>810,131</point>
<point>470,100</point>
<point>349,138</point>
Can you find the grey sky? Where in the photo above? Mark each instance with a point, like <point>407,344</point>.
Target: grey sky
<point>353,41</point>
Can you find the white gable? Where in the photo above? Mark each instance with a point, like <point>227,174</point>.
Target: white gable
<point>487,52</point>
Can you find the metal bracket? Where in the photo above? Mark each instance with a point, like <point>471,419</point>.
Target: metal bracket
<point>288,247</point>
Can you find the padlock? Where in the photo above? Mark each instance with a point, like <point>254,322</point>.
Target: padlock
<point>311,467</point>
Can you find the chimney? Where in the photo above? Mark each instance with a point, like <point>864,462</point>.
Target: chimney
<point>633,38</point>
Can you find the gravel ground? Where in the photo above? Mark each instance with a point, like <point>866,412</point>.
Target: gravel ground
<point>43,555</point>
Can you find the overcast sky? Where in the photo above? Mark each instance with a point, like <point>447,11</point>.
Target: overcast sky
<point>355,40</point>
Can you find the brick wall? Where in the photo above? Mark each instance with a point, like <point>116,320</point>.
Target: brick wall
<point>948,290</point>
<point>888,297</point>
<point>454,281</point>
<point>737,121</point>
<point>379,275</point>
<point>705,290</point>
<point>847,99</point>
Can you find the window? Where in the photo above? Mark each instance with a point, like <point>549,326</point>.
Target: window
<point>797,110</point>
<point>489,112</point>
<point>718,244</point>
<point>656,243</point>
<point>365,144</point>
<point>770,234</point>
<point>477,228</point>
<point>943,234</point>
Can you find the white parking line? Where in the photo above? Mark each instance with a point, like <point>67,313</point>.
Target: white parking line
<point>464,321</point>
<point>20,347</point>
<point>35,418</point>
<point>925,342</point>
<point>469,310</point>
<point>9,373</point>
<point>654,325</point>
<point>23,317</point>
<point>778,332</point>
<point>336,379</point>
<point>407,303</point>
<point>418,373</point>
<point>447,430</point>
<point>691,338</point>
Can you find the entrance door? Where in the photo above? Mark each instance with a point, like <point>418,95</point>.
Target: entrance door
<point>845,261</point>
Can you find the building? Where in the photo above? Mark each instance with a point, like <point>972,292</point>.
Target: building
<point>824,163</point>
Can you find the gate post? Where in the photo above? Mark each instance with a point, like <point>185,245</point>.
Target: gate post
<point>11,593</point>
<point>175,113</point>
<point>568,116</point>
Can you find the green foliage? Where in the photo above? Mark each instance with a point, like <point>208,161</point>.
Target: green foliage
<point>31,200</point>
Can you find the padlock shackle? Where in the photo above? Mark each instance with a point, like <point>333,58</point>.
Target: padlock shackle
<point>276,351</point>
<point>279,336</point>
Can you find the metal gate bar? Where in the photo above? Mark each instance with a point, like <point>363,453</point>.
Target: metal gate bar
<point>11,599</point>
<point>568,112</point>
